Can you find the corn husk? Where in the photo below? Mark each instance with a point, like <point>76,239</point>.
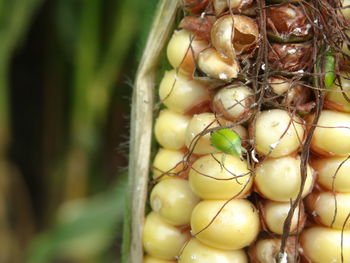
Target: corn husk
<point>142,122</point>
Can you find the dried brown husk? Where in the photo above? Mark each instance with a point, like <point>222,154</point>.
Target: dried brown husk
<point>196,6</point>
<point>288,23</point>
<point>199,26</point>
<point>290,57</point>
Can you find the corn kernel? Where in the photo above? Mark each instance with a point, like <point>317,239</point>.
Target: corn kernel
<point>161,239</point>
<point>280,179</point>
<point>170,128</point>
<point>174,201</point>
<point>277,134</point>
<point>233,226</point>
<point>220,176</point>
<point>197,252</point>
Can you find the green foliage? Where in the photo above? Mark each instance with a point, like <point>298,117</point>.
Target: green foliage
<point>95,46</point>
<point>84,229</point>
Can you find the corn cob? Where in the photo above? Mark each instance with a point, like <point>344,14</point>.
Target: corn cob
<point>248,64</point>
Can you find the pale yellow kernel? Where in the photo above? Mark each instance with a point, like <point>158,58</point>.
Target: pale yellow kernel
<point>162,240</point>
<point>333,173</point>
<point>335,99</point>
<point>197,252</point>
<point>198,135</point>
<point>275,214</point>
<point>170,128</point>
<point>220,176</point>
<point>324,245</point>
<point>181,94</point>
<point>231,226</point>
<point>332,136</point>
<point>277,134</point>
<point>167,164</point>
<point>330,209</point>
<point>174,201</point>
<point>181,50</point>
<point>279,179</point>
<point>150,259</point>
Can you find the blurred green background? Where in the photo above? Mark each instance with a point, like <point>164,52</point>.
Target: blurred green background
<point>66,75</point>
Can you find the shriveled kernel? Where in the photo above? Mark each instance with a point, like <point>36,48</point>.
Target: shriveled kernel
<point>333,173</point>
<point>279,84</point>
<point>277,133</point>
<point>182,50</point>
<point>167,163</point>
<point>275,213</point>
<point>170,129</point>
<point>161,239</point>
<point>266,250</point>
<point>321,244</point>
<point>150,259</point>
<point>234,34</point>
<point>220,176</point>
<point>326,207</point>
<point>236,224</point>
<point>197,252</point>
<point>216,66</point>
<point>174,201</point>
<point>233,102</point>
<point>332,134</point>
<point>335,99</point>
<point>279,179</point>
<point>181,94</point>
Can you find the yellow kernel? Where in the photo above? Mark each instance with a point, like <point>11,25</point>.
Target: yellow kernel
<point>220,166</point>
<point>167,163</point>
<point>161,239</point>
<point>181,48</point>
<point>323,245</point>
<point>332,137</point>
<point>333,172</point>
<point>174,201</point>
<point>233,226</point>
<point>277,134</point>
<point>150,259</point>
<point>181,94</point>
<point>335,99</point>
<point>323,206</point>
<point>197,137</point>
<point>275,213</point>
<point>197,252</point>
<point>170,128</point>
<point>280,179</point>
